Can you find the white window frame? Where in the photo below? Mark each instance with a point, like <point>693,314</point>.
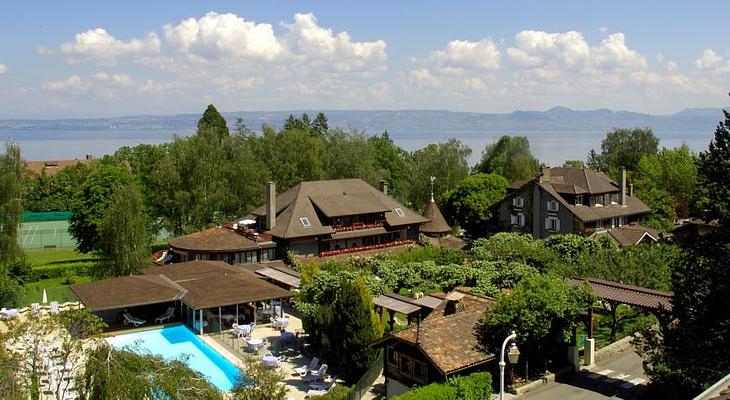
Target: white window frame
<point>552,224</point>
<point>518,202</point>
<point>517,219</point>
<point>553,206</point>
<point>615,222</point>
<point>399,212</point>
<point>305,222</point>
<point>579,200</point>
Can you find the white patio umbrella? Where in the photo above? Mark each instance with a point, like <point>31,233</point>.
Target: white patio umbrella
<point>45,297</point>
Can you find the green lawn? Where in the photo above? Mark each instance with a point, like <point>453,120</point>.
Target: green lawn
<point>55,289</point>
<point>602,327</point>
<point>41,257</point>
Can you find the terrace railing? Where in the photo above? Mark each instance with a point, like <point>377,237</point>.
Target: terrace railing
<point>350,250</point>
<point>358,225</point>
<point>366,381</point>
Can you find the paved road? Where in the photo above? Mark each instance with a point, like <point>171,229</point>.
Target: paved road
<point>620,378</point>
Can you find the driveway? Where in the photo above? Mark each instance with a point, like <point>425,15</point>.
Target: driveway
<point>619,378</point>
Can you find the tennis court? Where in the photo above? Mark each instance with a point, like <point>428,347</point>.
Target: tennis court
<point>45,234</point>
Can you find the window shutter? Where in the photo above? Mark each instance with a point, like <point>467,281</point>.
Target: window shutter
<point>547,223</point>
<point>513,219</point>
<point>557,225</point>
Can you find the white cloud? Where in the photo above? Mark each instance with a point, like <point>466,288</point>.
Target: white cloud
<point>709,60</point>
<point>538,48</point>
<point>613,53</point>
<point>483,54</point>
<point>72,84</point>
<point>220,36</point>
<point>313,43</point>
<point>3,69</point>
<point>100,76</point>
<point>122,80</point>
<point>96,45</point>
<point>422,78</point>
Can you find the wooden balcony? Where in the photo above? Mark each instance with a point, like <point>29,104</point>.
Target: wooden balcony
<point>358,249</point>
<point>359,225</point>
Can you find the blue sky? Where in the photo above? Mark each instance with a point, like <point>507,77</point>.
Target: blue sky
<point>87,59</point>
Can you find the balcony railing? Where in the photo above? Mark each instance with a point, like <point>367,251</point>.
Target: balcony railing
<point>358,225</point>
<point>358,249</point>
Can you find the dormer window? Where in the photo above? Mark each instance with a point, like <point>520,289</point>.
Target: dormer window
<point>305,222</point>
<point>399,212</point>
<point>552,205</point>
<point>518,202</point>
<point>579,200</point>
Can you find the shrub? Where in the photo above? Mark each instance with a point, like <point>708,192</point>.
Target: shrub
<point>339,392</point>
<point>58,271</point>
<point>477,386</point>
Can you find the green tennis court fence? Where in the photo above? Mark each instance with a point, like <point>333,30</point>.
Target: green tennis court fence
<point>46,216</point>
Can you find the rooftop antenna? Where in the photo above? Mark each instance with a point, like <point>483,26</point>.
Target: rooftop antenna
<point>433,179</point>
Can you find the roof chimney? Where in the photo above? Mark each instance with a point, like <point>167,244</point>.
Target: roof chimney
<point>544,176</point>
<point>622,184</point>
<point>384,186</point>
<point>631,189</point>
<point>271,206</point>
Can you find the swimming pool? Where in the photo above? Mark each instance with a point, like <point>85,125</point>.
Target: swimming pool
<point>174,342</point>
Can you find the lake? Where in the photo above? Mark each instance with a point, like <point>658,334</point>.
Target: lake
<point>548,146</point>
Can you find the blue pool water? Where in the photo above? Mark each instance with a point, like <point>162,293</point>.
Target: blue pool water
<point>178,341</point>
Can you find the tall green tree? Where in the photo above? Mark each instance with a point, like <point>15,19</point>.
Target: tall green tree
<point>337,312</point>
<point>448,162</point>
<point>544,309</point>
<point>390,161</point>
<point>670,171</point>
<point>510,157</point>
<point>11,190</point>
<point>624,148</point>
<point>91,202</point>
<point>350,155</point>
<point>212,125</point>
<point>692,352</point>
<point>124,241</point>
<point>470,203</point>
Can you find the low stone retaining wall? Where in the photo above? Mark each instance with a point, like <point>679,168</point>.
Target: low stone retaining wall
<point>614,349</point>
<point>544,380</point>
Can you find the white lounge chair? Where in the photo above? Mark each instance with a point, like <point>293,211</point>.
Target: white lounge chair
<point>166,316</point>
<point>36,308</point>
<point>8,314</point>
<point>303,370</point>
<point>319,391</point>
<point>129,319</point>
<point>54,307</point>
<point>317,375</point>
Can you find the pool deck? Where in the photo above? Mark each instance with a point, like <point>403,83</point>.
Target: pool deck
<point>291,359</point>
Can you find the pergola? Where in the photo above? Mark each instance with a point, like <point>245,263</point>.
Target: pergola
<point>396,303</point>
<point>203,291</point>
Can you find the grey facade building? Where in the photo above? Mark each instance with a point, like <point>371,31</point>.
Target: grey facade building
<point>575,200</point>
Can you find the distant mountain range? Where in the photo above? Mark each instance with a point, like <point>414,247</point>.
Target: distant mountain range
<point>557,118</point>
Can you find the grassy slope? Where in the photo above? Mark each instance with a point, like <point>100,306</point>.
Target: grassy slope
<point>55,288</point>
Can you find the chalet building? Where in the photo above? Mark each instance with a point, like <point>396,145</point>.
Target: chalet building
<point>224,243</point>
<point>321,218</point>
<point>442,345</point>
<point>575,200</point>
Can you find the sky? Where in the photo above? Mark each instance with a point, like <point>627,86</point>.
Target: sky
<point>95,59</point>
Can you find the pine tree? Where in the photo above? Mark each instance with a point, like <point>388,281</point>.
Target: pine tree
<point>213,125</point>
<point>714,172</point>
<point>11,169</point>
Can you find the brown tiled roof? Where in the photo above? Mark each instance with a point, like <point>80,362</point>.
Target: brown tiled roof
<point>582,180</point>
<point>629,294</point>
<point>585,213</point>
<point>629,235</point>
<point>436,221</point>
<point>304,199</point>
<point>126,291</point>
<point>200,284</point>
<point>280,276</point>
<point>450,341</point>
<point>216,239</point>
<point>52,166</point>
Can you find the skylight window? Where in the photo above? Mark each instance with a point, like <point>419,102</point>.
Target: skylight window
<point>399,212</point>
<point>305,222</point>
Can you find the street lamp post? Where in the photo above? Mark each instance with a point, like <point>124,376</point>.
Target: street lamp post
<point>513,356</point>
